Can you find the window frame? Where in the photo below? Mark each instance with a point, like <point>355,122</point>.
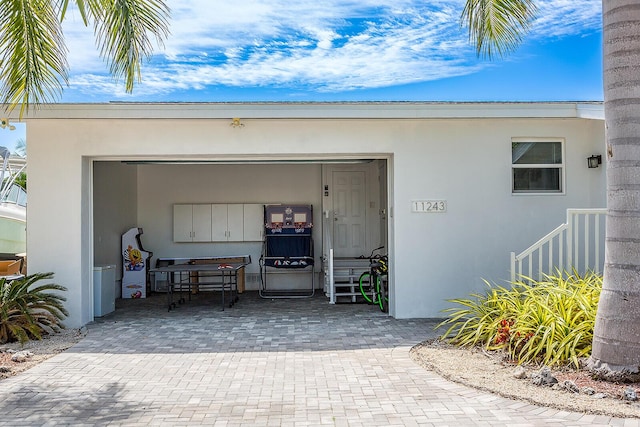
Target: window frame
<point>561,166</point>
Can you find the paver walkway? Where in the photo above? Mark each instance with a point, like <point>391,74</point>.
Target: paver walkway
<point>298,362</point>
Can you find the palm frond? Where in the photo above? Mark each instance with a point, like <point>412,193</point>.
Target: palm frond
<point>33,65</point>
<point>124,30</point>
<point>29,308</point>
<point>497,26</point>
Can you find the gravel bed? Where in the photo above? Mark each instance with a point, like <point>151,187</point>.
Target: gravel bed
<point>489,371</point>
<point>37,350</point>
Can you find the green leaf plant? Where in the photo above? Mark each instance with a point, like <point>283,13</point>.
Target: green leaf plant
<point>28,309</point>
<point>549,321</point>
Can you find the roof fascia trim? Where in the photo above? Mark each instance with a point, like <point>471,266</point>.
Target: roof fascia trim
<point>397,110</point>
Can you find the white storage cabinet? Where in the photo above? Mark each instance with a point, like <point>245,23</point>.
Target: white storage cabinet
<point>192,223</point>
<point>218,222</point>
<point>227,223</point>
<point>253,222</point>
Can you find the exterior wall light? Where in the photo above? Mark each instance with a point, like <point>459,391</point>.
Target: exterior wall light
<point>235,122</point>
<point>594,161</point>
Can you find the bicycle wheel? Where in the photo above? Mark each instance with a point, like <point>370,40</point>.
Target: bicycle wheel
<point>365,287</point>
<point>383,299</point>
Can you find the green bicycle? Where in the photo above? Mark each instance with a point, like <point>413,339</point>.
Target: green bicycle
<point>373,282</point>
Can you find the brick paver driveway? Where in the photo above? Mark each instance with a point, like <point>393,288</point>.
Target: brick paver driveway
<point>295,362</point>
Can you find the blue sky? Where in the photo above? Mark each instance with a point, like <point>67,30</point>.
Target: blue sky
<point>348,50</point>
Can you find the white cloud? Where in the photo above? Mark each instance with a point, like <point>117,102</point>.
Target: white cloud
<point>331,45</point>
<point>557,18</point>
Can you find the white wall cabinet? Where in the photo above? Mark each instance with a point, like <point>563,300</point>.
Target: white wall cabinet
<point>192,223</point>
<point>253,222</point>
<point>228,223</point>
<point>217,222</point>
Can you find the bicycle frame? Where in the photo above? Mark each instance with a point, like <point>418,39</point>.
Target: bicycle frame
<point>372,282</point>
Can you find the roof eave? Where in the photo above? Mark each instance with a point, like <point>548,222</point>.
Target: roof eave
<point>313,110</point>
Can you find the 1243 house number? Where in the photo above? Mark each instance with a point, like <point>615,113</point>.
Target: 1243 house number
<point>429,206</point>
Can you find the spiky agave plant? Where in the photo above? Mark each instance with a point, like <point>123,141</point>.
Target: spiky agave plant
<point>28,309</point>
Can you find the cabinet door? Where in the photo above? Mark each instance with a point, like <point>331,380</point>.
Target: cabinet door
<point>253,222</point>
<point>235,223</point>
<point>182,223</point>
<point>219,222</point>
<point>202,223</point>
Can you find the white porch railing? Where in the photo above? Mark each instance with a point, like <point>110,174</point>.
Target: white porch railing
<point>327,259</point>
<point>579,244</point>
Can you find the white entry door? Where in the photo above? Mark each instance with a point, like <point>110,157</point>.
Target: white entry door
<point>349,213</point>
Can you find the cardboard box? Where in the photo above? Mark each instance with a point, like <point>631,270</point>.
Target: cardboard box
<point>10,268</point>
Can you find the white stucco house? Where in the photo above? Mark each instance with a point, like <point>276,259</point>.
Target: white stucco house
<point>450,189</point>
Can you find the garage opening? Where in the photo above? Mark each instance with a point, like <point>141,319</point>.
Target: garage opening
<point>167,201</point>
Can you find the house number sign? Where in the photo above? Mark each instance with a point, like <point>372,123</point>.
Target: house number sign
<point>429,206</point>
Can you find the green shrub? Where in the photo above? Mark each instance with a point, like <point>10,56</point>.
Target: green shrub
<point>548,321</point>
<point>28,310</point>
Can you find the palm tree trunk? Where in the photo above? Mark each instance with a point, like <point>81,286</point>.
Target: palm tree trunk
<point>616,341</point>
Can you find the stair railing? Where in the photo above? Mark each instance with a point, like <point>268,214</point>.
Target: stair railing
<point>327,258</point>
<point>577,244</point>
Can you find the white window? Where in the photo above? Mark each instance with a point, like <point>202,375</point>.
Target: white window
<point>537,165</point>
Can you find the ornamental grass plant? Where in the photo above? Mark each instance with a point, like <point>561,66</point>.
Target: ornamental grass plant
<point>549,321</point>
<point>28,309</point>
